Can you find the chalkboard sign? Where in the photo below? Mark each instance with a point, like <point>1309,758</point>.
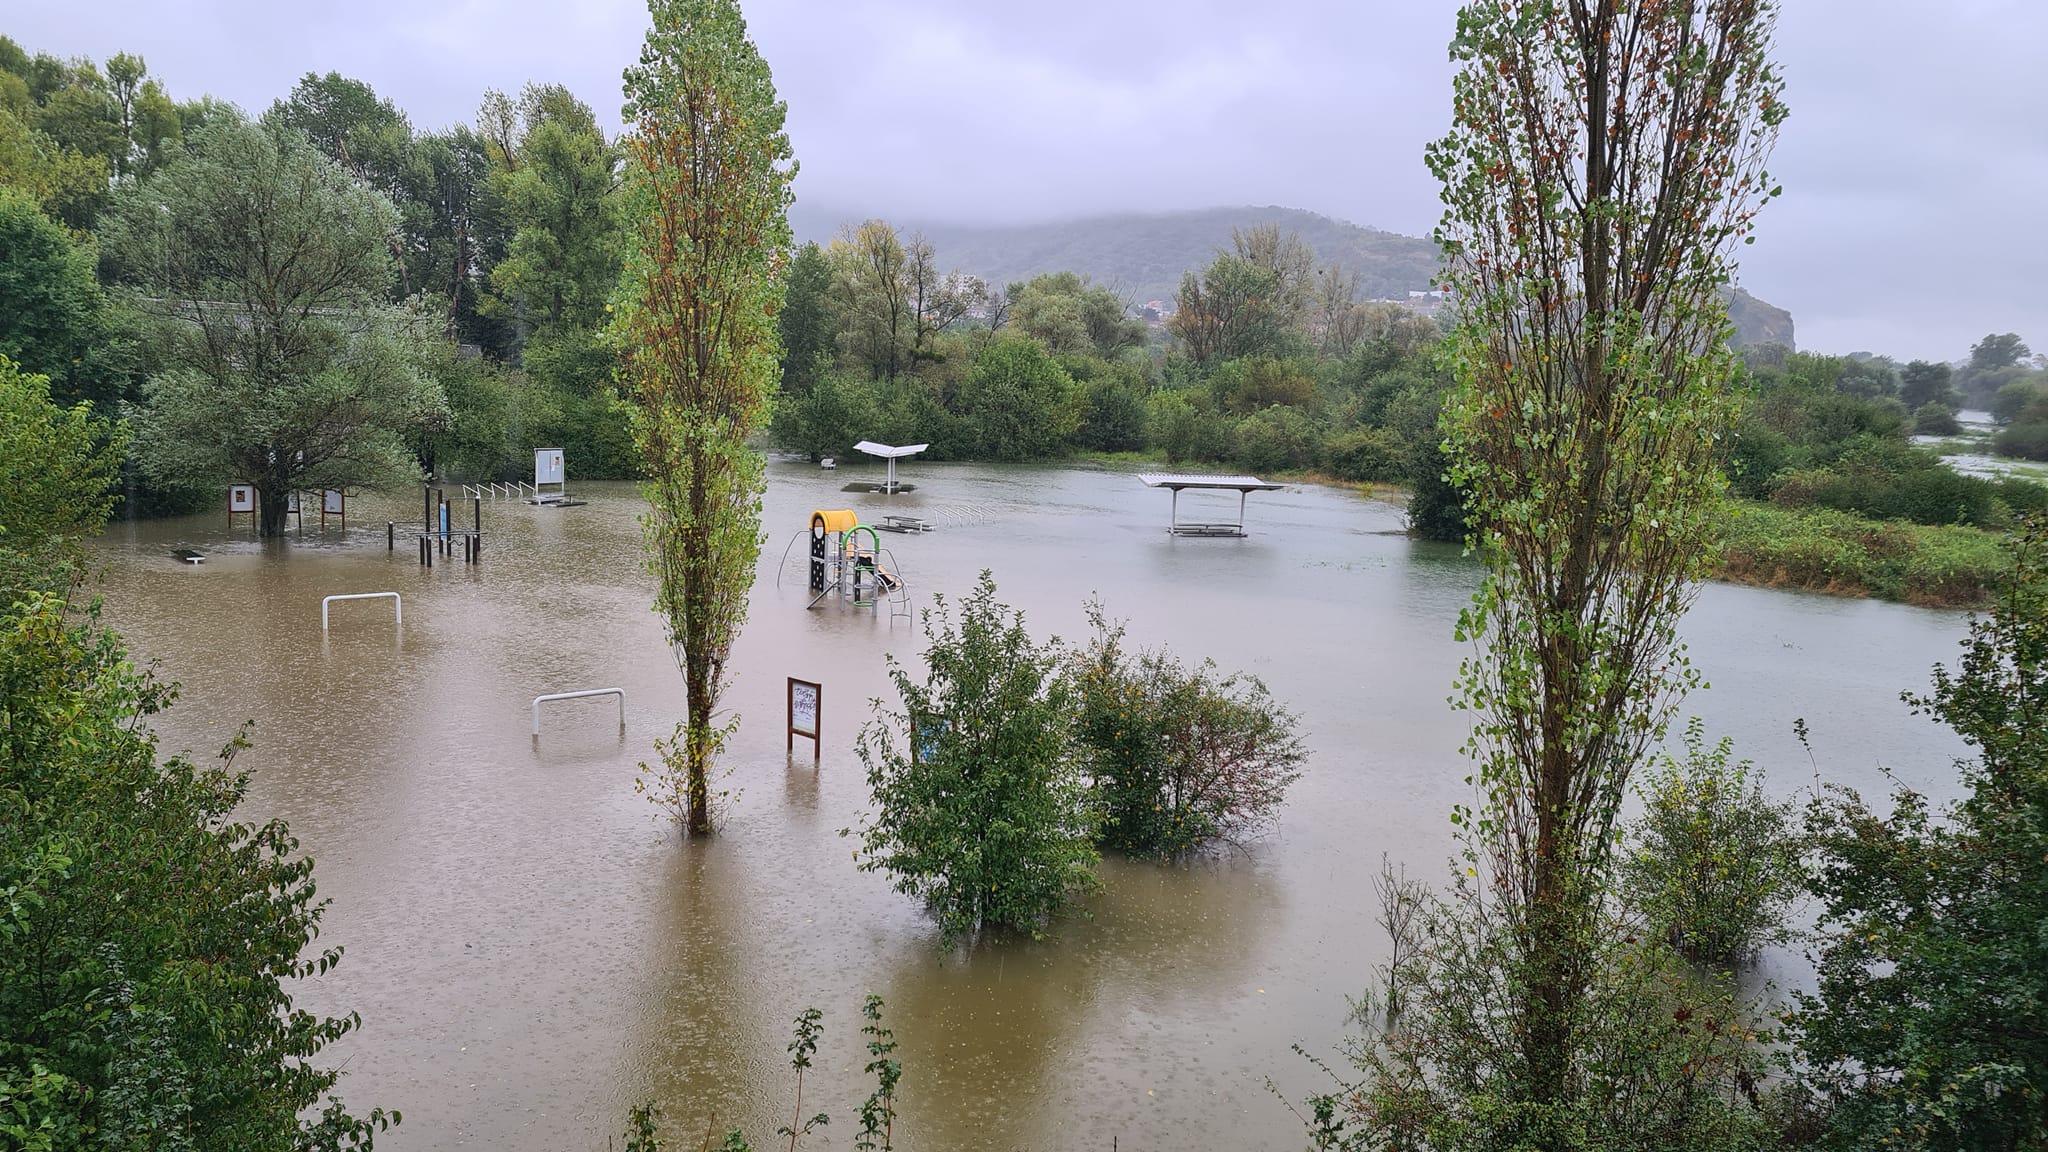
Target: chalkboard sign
<point>806,701</point>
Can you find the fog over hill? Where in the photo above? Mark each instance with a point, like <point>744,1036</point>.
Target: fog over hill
<point>1141,256</point>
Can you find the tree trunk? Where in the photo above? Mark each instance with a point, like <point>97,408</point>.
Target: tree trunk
<point>271,496</point>
<point>697,669</point>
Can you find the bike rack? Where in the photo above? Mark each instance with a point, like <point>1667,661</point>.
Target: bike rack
<point>619,692</point>
<point>395,603</point>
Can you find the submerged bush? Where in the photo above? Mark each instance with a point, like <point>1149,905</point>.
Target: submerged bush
<point>1712,864</point>
<point>982,811</point>
<point>1179,757</point>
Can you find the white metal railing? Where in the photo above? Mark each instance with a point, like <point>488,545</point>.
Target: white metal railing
<point>395,603</point>
<point>496,489</point>
<point>619,692</point>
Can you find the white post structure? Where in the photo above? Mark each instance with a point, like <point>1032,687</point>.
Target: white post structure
<point>395,603</point>
<point>539,700</point>
<point>891,453</point>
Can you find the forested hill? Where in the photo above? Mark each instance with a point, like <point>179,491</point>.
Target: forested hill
<point>1142,256</point>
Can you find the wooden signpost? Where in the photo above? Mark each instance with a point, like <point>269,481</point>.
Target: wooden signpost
<point>806,702</point>
<point>241,499</point>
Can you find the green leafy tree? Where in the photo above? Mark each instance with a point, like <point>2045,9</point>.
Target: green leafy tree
<point>1603,160</point>
<point>557,185</point>
<point>1929,1027</point>
<point>871,285</point>
<point>808,329</point>
<point>1229,310</point>
<point>981,812</point>
<point>146,935</point>
<point>265,269</point>
<point>451,218</point>
<point>709,176</point>
<point>68,184</point>
<point>1021,404</point>
<point>353,126</point>
<point>1998,350</point>
<point>1066,313</point>
<point>57,472</point>
<point>55,321</point>
<point>1922,383</point>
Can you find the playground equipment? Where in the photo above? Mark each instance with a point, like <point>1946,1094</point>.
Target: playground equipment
<point>395,603</point>
<point>585,694</point>
<point>438,532</point>
<point>840,562</point>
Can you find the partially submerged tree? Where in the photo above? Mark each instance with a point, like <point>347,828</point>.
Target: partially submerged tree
<point>694,325</point>
<point>266,268</point>
<point>1179,757</point>
<point>1604,158</point>
<point>981,811</point>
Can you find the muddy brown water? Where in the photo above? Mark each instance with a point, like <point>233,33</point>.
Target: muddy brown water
<point>532,949</point>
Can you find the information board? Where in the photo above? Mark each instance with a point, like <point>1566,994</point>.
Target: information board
<point>806,701</point>
<point>241,498</point>
<point>547,466</point>
<point>331,502</point>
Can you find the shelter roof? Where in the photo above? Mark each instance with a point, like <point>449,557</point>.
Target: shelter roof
<point>1178,481</point>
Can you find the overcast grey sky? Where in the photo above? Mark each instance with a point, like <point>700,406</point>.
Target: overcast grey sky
<point>1915,163</point>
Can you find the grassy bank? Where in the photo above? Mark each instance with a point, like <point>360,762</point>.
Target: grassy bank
<point>1818,550</point>
<point>1807,549</point>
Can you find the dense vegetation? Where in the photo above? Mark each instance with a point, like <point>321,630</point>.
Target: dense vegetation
<point>1015,760</point>
<point>470,330</point>
<point>146,934</point>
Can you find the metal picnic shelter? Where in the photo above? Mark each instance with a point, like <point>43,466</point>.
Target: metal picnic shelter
<point>1175,481</point>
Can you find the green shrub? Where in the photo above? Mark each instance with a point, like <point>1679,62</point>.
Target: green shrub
<point>1184,431</point>
<point>1018,404</point>
<point>1276,440</point>
<point>149,938</point>
<point>1664,1057</point>
<point>1926,1028</point>
<point>982,811</point>
<point>1936,419</point>
<point>2027,440</point>
<point>1179,757</point>
<point>839,411</point>
<point>1114,417</point>
<point>1376,455</point>
<point>1436,508</point>
<point>1894,483</point>
<point>1712,863</point>
<point>2016,397</point>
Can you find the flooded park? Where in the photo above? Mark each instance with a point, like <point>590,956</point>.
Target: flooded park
<point>533,949</point>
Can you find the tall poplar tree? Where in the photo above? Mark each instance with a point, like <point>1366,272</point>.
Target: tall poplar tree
<point>708,179</point>
<point>1604,159</point>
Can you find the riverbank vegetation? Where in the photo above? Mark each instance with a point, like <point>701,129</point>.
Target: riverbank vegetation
<point>147,934</point>
<point>498,243</point>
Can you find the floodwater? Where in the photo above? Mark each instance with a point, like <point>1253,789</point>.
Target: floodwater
<point>533,951</point>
